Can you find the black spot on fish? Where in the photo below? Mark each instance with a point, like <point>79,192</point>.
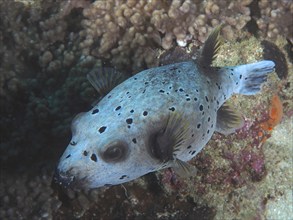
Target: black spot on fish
<point>117,108</point>
<point>212,125</point>
<point>94,157</point>
<point>95,111</point>
<point>69,155</point>
<point>193,152</point>
<point>135,78</point>
<point>181,90</point>
<point>127,93</point>
<point>196,90</point>
<point>207,99</point>
<point>129,96</point>
<point>146,83</point>
<point>73,143</point>
<point>145,113</point>
<point>170,87</point>
<point>134,140</point>
<point>102,129</point>
<point>129,121</point>
<point>176,90</point>
<point>219,87</point>
<point>131,111</point>
<point>201,107</point>
<point>189,147</point>
<point>208,131</point>
<point>188,99</point>
<point>161,91</point>
<point>198,125</point>
<point>195,99</point>
<point>119,114</point>
<point>240,76</point>
<point>85,153</point>
<point>128,126</point>
<point>122,177</point>
<point>109,96</point>
<point>209,118</point>
<point>172,109</point>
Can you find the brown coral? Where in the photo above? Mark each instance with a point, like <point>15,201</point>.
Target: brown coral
<point>276,18</point>
<point>122,30</point>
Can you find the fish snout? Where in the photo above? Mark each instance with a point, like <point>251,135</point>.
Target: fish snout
<point>67,181</point>
<point>63,179</point>
<point>66,186</point>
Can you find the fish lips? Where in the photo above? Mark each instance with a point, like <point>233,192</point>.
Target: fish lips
<point>67,181</point>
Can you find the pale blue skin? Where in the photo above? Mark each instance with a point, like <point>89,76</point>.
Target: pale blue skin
<point>156,91</point>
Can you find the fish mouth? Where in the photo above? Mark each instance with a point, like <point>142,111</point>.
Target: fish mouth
<point>67,187</point>
<point>67,181</point>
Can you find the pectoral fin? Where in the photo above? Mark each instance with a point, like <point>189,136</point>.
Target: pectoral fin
<point>104,79</point>
<point>174,135</point>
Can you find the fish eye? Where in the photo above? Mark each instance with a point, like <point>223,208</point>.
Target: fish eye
<point>115,153</point>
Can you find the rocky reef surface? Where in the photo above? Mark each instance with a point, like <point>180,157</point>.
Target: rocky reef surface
<point>47,48</point>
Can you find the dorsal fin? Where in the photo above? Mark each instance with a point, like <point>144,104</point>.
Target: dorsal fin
<point>210,48</point>
<point>104,79</point>
<point>228,120</point>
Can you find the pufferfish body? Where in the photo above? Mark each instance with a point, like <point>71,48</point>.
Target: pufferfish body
<point>161,117</point>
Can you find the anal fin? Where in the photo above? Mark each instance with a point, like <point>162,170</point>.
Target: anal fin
<point>228,120</point>
<point>184,169</point>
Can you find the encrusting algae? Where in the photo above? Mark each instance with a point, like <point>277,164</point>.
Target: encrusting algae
<point>275,114</point>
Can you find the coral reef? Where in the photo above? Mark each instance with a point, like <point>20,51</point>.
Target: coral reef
<point>130,30</point>
<point>275,18</point>
<point>47,48</point>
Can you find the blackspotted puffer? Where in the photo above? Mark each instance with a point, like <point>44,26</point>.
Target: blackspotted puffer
<point>161,117</point>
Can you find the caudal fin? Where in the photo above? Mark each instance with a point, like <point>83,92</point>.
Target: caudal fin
<point>252,76</point>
